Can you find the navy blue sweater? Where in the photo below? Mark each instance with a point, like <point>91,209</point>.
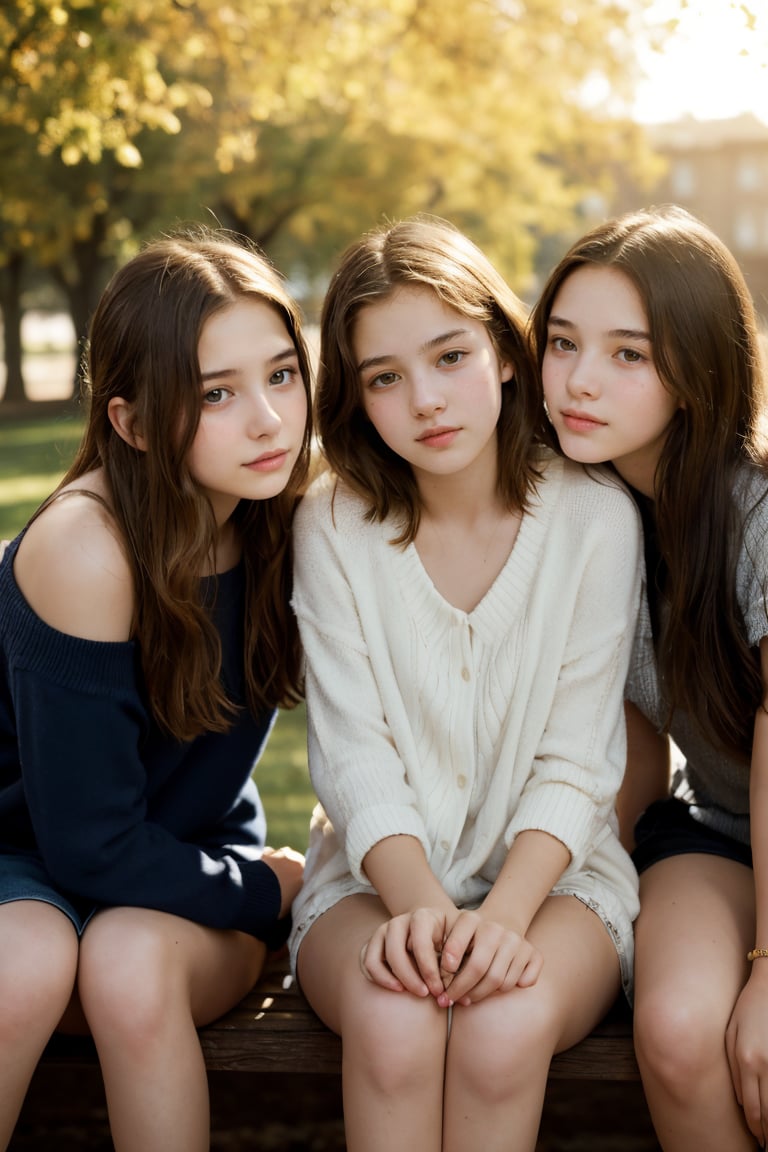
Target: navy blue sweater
<point>118,812</point>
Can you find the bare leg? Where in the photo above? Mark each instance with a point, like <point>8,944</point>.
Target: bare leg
<point>38,962</point>
<point>500,1050</point>
<point>695,926</point>
<point>146,979</point>
<point>393,1043</point>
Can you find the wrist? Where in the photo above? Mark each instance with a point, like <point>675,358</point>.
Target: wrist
<point>499,912</point>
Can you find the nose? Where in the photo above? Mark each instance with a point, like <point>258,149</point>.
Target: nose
<point>263,418</point>
<point>583,377</point>
<point>427,395</point>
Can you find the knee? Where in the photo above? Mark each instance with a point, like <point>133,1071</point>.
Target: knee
<point>503,1044</point>
<point>128,978</point>
<point>37,980</point>
<point>676,1040</point>
<point>397,1042</point>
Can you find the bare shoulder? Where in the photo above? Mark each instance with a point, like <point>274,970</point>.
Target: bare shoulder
<point>72,570</point>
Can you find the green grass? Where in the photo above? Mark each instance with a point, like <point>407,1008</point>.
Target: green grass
<point>34,454</point>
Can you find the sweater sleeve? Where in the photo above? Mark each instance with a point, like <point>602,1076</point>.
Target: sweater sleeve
<point>356,770</point>
<point>581,757</point>
<point>82,732</point>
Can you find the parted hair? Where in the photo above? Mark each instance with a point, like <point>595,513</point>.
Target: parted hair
<point>143,347</point>
<point>427,252</point>
<point>706,350</point>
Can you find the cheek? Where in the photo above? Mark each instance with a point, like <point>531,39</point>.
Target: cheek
<point>548,375</point>
<point>376,413</point>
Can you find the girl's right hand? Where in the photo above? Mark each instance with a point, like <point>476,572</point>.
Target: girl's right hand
<point>288,866</point>
<point>482,956</point>
<point>746,1043</point>
<point>404,953</point>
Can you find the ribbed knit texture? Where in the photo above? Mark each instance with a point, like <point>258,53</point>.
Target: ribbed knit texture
<point>464,729</point>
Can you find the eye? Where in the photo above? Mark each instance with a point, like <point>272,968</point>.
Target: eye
<point>283,376</point>
<point>631,356</point>
<point>452,357</point>
<point>383,380</point>
<point>562,344</point>
<point>215,396</point>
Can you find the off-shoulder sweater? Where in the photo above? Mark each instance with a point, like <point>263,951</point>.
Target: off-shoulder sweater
<point>118,812</point>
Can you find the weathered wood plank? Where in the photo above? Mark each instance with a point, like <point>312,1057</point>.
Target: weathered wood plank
<point>274,1030</point>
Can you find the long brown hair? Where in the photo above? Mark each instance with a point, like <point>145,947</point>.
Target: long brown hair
<point>706,350</point>
<point>423,252</point>
<point>143,347</point>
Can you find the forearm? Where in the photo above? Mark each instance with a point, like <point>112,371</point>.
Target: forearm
<point>399,871</point>
<point>534,864</point>
<point>647,774</point>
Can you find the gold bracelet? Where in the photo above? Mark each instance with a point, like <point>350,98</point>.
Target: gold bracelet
<point>757,954</point>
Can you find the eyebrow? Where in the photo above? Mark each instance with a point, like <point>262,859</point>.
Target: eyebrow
<point>220,373</point>
<point>618,333</point>
<point>435,342</point>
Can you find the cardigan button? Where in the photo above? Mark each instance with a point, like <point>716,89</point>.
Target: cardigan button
<point>465,674</point>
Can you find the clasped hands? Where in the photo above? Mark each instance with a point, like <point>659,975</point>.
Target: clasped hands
<point>458,959</point>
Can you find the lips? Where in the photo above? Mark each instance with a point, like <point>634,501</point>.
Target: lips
<point>440,435</point>
<point>580,421</point>
<point>267,461</point>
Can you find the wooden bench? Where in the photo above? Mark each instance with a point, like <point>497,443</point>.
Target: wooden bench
<point>274,1030</point>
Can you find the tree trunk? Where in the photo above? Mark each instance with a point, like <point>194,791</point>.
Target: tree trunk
<point>10,307</point>
<point>84,288</point>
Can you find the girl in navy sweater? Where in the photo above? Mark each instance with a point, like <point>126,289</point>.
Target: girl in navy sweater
<point>145,641</point>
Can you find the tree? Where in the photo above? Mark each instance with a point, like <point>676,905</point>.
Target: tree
<point>301,122</point>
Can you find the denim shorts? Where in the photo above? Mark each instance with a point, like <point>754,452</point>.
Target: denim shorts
<point>25,878</point>
<point>666,828</point>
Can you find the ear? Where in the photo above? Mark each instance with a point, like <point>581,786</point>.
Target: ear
<point>123,420</point>
<point>507,371</point>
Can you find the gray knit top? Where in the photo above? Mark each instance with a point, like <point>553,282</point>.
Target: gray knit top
<point>715,785</point>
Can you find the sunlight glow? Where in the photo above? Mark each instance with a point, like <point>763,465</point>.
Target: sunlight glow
<point>714,66</point>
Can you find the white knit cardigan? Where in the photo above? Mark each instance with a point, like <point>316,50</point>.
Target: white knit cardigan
<point>464,729</point>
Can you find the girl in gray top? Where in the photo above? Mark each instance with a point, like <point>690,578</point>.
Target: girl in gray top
<point>647,341</point>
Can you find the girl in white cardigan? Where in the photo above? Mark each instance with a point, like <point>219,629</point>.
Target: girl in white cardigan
<point>467,602</point>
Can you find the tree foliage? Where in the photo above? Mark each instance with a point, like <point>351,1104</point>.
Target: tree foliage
<point>303,122</point>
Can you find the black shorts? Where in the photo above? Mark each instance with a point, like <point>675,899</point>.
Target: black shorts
<point>666,828</point>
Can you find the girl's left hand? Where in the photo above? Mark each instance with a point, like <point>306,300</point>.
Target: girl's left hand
<point>481,956</point>
<point>404,953</point>
<point>746,1042</point>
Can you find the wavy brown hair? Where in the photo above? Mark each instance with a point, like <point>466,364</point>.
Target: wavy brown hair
<point>706,350</point>
<point>143,347</point>
<point>419,252</point>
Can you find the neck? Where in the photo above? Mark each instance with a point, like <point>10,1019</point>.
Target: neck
<point>468,495</point>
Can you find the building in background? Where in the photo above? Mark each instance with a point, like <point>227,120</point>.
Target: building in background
<point>718,170</point>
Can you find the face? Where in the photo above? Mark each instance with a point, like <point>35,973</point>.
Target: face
<point>603,393</point>
<point>431,382</point>
<point>254,407</point>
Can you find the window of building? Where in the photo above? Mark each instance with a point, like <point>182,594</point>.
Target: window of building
<point>749,176</point>
<point>745,231</point>
<point>683,179</point>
